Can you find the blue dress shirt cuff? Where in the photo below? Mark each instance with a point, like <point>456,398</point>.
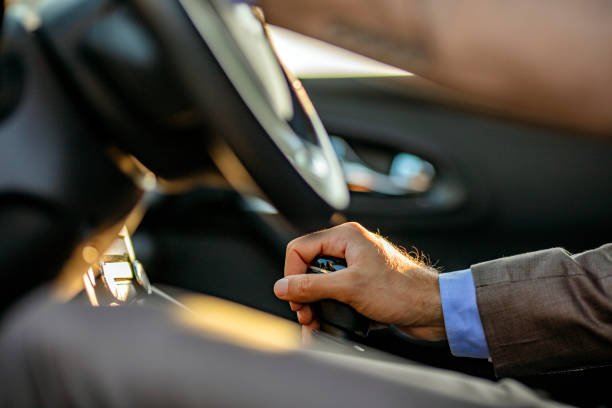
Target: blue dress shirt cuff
<point>461,318</point>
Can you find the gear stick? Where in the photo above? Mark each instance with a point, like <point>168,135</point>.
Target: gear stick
<point>335,317</point>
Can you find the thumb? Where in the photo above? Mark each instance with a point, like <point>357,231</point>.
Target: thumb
<point>312,287</point>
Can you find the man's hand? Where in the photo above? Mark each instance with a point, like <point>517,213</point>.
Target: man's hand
<point>380,281</point>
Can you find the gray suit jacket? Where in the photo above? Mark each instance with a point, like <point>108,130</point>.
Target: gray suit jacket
<point>547,311</point>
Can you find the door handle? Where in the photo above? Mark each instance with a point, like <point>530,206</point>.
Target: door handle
<point>408,173</point>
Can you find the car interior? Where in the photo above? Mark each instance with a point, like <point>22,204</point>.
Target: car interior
<point>175,118</point>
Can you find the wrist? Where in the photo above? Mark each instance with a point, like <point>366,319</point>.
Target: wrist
<point>432,305</point>
<point>437,314</point>
<point>429,324</point>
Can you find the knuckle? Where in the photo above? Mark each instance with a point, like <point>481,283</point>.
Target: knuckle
<point>303,287</point>
<point>354,228</point>
<point>291,246</point>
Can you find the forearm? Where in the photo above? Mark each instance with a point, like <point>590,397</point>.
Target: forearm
<point>548,59</point>
<point>547,311</point>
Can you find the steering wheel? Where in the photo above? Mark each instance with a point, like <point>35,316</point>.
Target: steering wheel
<point>177,83</point>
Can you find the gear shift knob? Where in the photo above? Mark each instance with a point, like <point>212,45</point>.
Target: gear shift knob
<point>335,316</point>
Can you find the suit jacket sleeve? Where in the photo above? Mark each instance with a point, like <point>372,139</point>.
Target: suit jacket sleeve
<point>547,311</point>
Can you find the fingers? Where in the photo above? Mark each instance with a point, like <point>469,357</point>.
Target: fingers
<point>313,287</point>
<point>305,315</point>
<point>295,306</point>
<point>304,249</point>
<point>331,242</point>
